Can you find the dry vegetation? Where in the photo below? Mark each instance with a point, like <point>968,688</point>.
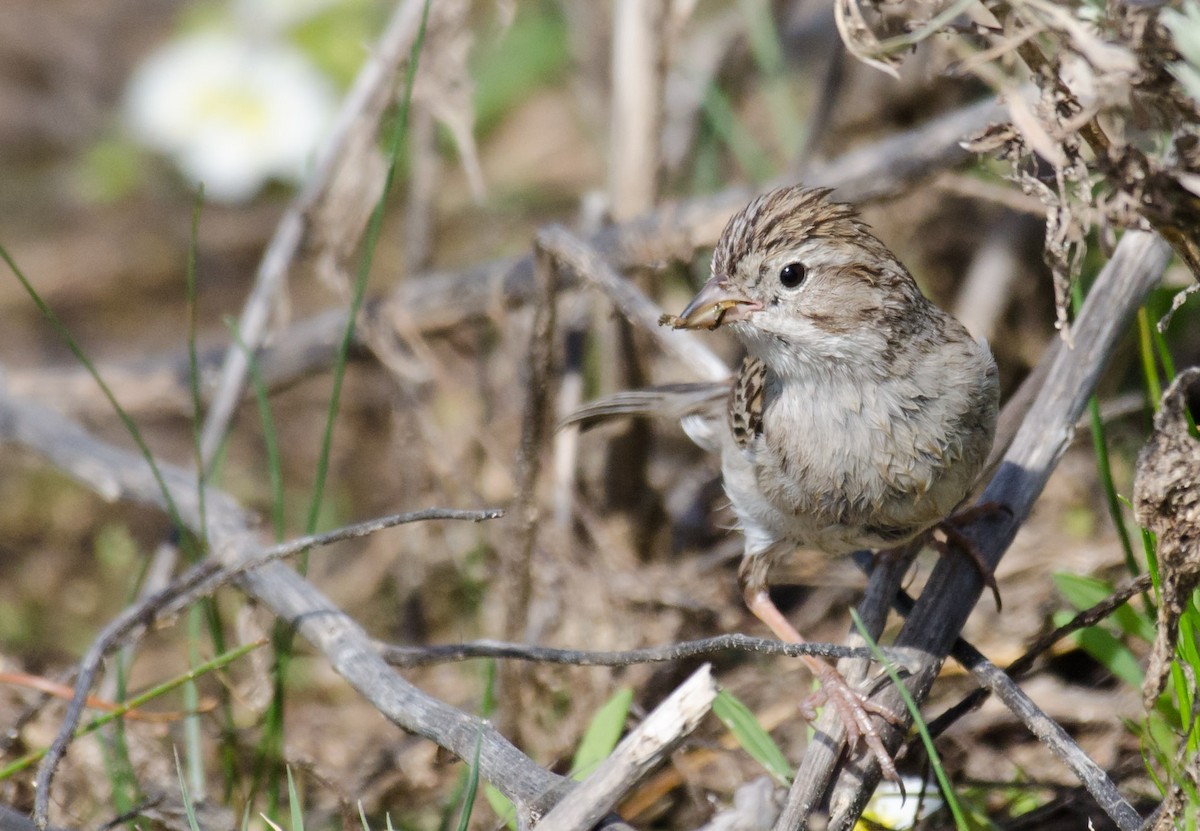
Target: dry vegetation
<point>566,168</point>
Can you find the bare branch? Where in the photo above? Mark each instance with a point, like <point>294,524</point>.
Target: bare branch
<point>588,263</point>
<point>416,656</point>
<point>120,474</point>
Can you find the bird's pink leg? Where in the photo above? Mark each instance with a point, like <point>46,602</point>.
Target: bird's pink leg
<point>855,709</point>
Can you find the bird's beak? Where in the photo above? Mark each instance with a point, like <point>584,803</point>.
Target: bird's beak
<point>718,302</point>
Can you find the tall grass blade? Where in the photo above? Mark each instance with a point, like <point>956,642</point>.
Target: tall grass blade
<point>935,760</point>
<point>272,741</point>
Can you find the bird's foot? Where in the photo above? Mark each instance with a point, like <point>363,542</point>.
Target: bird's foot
<point>856,711</point>
<point>956,542</point>
<point>854,708</point>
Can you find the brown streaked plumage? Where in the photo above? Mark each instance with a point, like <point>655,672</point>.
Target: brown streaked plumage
<point>860,418</point>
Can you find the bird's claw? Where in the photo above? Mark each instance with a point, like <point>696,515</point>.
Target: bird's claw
<point>958,542</point>
<point>856,711</point>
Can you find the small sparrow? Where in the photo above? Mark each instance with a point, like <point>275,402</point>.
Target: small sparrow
<point>860,418</point>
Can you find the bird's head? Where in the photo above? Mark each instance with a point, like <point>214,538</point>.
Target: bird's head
<point>801,278</point>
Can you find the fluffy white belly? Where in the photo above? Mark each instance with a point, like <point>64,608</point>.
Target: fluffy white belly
<point>867,469</point>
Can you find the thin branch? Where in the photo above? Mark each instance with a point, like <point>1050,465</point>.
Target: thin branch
<point>589,264</point>
<point>1021,666</point>
<point>537,380</point>
<point>417,656</point>
<point>118,474</point>
<point>1051,734</point>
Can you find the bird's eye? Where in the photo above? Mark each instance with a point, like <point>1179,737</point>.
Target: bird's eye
<point>792,275</point>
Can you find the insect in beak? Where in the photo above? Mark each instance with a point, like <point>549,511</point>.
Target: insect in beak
<point>717,303</point>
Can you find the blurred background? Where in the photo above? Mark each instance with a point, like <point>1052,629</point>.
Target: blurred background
<point>116,111</point>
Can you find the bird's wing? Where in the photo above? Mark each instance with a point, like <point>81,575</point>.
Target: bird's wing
<point>746,402</point>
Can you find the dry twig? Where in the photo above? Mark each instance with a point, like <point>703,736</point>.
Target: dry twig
<point>417,656</point>
<point>118,474</point>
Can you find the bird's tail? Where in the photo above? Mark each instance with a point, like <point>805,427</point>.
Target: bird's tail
<point>671,401</point>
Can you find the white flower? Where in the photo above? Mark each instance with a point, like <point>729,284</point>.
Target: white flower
<point>891,810</point>
<point>232,112</point>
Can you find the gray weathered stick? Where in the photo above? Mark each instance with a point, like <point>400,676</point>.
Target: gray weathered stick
<point>954,587</point>
<point>636,755</point>
<point>119,474</point>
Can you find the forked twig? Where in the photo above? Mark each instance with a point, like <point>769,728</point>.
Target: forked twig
<point>119,474</point>
<point>1003,683</point>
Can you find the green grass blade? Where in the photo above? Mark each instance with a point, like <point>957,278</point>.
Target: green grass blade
<point>83,359</point>
<point>756,741</point>
<point>1104,463</point>
<point>294,804</point>
<point>132,704</point>
<point>468,807</point>
<point>370,241</point>
<point>1083,592</point>
<point>723,121</point>
<point>192,739</point>
<point>1146,352</point>
<point>501,806</point>
<point>1107,649</point>
<point>763,35</point>
<point>270,435</point>
<point>487,704</point>
<point>935,760</point>
<point>269,747</point>
<point>193,360</point>
<point>188,807</point>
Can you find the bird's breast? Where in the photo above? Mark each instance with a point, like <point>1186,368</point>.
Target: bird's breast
<point>844,466</point>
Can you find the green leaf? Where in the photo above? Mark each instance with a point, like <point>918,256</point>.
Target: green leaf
<point>1108,650</point>
<point>602,733</point>
<point>751,736</point>
<point>1084,592</point>
<point>1081,592</point>
<point>468,806</point>
<point>296,809</point>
